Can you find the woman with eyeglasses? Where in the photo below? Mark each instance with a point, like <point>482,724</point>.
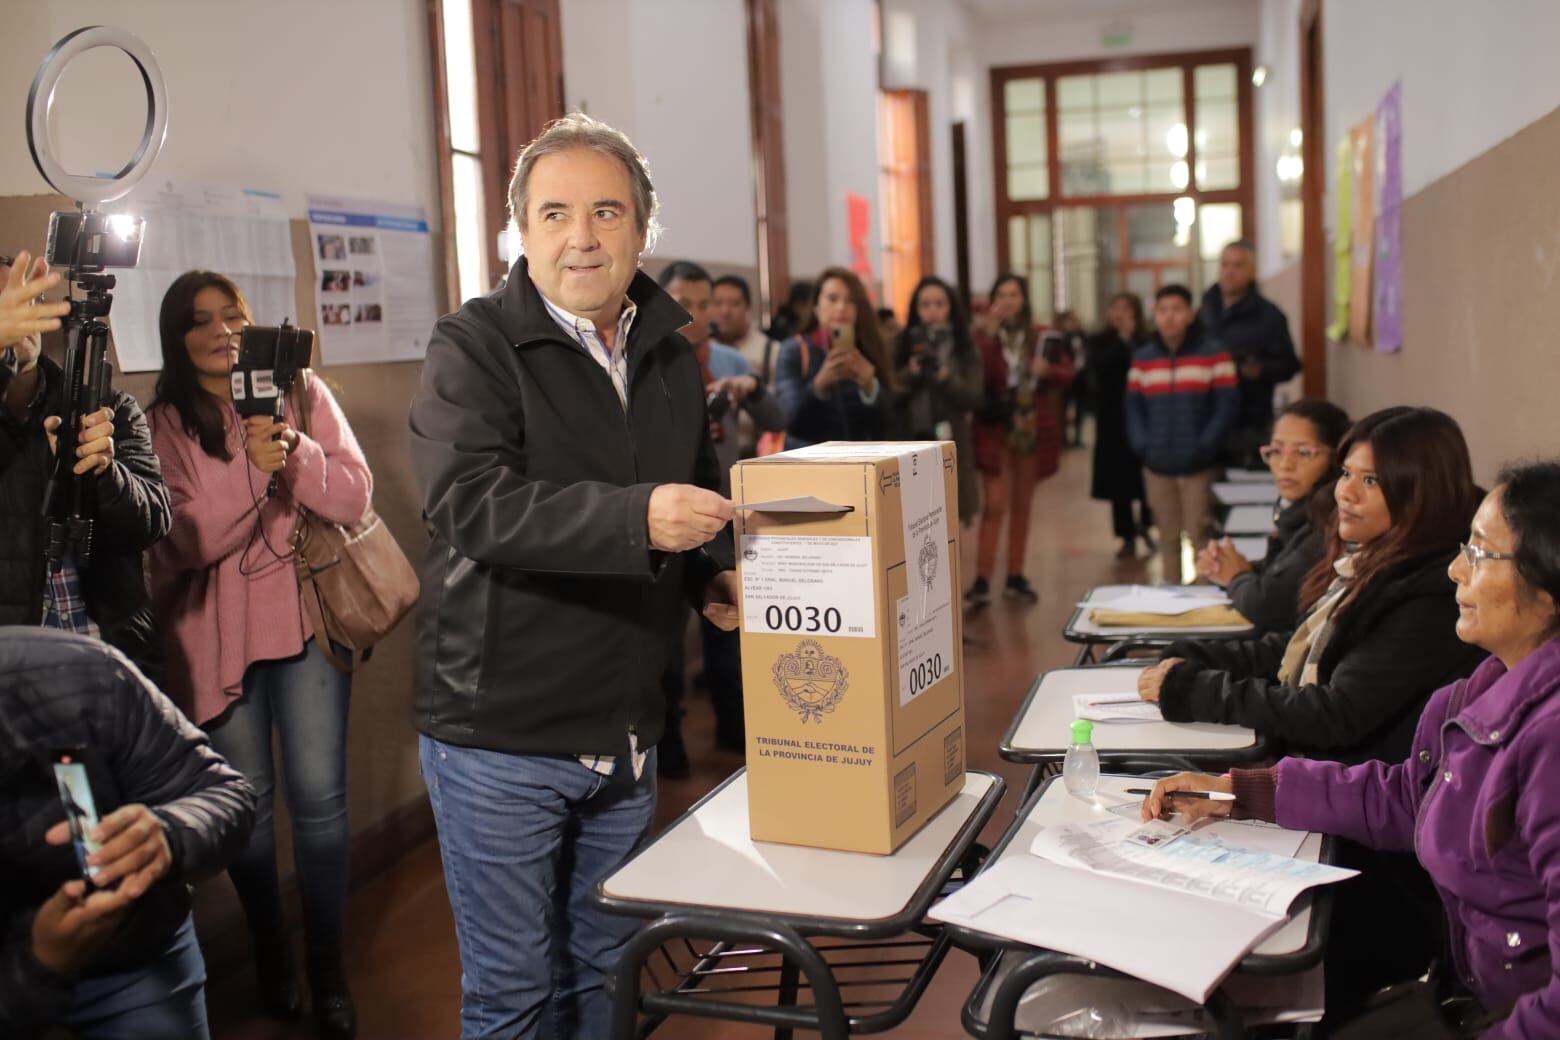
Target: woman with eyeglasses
<point>1303,455</point>
<point>1348,684</point>
<point>1475,798</point>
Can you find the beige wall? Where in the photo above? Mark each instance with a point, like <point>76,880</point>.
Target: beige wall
<point>1481,274</point>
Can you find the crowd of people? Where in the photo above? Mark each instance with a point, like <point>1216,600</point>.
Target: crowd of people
<point>572,435</point>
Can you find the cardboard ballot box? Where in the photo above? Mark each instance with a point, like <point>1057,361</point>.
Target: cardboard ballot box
<point>852,670</point>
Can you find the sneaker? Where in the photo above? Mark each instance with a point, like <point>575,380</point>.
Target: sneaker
<point>979,594</point>
<point>1018,587</point>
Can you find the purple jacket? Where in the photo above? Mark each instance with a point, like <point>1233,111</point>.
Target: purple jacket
<point>1479,802</point>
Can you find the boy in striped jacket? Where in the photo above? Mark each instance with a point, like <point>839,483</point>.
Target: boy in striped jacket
<point>1182,399</point>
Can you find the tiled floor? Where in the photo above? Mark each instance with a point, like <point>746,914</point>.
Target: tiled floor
<point>403,964</point>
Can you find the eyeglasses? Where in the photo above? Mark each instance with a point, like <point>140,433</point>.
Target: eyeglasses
<point>1473,554</point>
<point>1305,453</point>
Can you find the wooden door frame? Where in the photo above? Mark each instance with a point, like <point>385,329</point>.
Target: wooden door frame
<point>1313,196</point>
<point>766,121</point>
<point>1245,195</point>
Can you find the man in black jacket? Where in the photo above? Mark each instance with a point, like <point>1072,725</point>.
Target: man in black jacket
<point>105,594</point>
<point>121,959</point>
<point>562,443</point>
<point>1256,334</point>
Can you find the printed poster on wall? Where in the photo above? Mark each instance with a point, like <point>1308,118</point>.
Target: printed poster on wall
<point>373,280</point>
<point>192,225</point>
<point>1388,277</point>
<point>1343,237</point>
<point>1364,241</point>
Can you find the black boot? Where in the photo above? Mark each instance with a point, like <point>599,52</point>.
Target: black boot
<point>276,972</point>
<point>335,1016</point>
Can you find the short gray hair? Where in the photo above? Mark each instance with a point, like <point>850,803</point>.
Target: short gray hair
<point>578,130</point>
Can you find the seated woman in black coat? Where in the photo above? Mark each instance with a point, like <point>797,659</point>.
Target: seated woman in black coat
<point>1380,629</point>
<point>1303,455</point>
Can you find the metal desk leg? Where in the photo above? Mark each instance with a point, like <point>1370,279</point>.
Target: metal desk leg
<point>827,1015</point>
<point>789,976</point>
<point>1085,655</point>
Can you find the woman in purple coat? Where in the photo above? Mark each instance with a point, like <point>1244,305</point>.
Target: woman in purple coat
<point>1478,799</point>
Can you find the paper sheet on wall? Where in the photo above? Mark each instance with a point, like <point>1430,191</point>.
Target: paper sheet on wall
<point>1362,255</point>
<point>1388,279</point>
<point>373,282</point>
<point>1343,240</point>
<point>240,232</point>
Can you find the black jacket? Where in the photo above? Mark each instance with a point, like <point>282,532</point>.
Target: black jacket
<point>546,618</point>
<point>66,692</point>
<point>1269,595</point>
<point>1253,328</point>
<point>1390,649</point>
<point>132,513</point>
<point>1118,472</point>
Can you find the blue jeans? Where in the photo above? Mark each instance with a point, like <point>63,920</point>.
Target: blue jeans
<point>166,998</point>
<point>305,700</point>
<point>525,840</point>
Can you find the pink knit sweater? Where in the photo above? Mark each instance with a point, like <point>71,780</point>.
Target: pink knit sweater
<point>224,599</point>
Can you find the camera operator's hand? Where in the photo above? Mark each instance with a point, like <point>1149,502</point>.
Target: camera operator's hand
<point>683,517</point>
<point>74,924</point>
<point>738,388</point>
<point>95,445</point>
<point>268,443</point>
<point>134,853</point>
<point>22,318</point>
<point>720,601</point>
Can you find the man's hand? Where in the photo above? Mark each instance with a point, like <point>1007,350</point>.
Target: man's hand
<point>683,517</point>
<point>134,849</point>
<point>1153,678</point>
<point>73,925</point>
<point>95,445</point>
<point>268,443</point>
<point>21,316</point>
<point>720,601</point>
<point>738,388</point>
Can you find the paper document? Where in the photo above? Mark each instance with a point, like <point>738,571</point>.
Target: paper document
<point>1149,599</point>
<point>1245,493</point>
<point>1255,835</point>
<point>1200,865</point>
<point>1186,945</point>
<point>1096,708</point>
<point>805,504</point>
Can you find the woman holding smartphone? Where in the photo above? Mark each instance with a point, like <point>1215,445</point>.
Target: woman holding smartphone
<point>243,659</point>
<point>833,378</point>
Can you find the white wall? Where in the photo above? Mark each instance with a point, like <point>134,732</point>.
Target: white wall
<point>672,74</point>
<point>292,95</point>
<point>1191,25</point>
<point>1473,74</point>
<point>828,87</point>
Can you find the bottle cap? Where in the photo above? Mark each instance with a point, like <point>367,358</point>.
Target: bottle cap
<point>1082,731</point>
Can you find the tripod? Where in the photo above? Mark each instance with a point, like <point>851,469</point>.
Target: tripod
<point>70,500</point>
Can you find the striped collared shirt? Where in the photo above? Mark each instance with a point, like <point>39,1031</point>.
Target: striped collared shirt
<point>614,361</point>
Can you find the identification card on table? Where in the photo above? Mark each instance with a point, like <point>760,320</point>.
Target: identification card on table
<point>808,585</point>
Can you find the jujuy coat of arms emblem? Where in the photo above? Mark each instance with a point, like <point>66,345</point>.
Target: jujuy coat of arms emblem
<point>926,562</point>
<point>812,682</point>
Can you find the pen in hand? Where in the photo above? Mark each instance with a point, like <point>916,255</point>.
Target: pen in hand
<point>1210,796</point>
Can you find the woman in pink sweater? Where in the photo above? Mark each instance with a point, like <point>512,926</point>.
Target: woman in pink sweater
<point>241,655</point>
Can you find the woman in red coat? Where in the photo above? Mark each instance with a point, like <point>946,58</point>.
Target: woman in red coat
<point>1017,430</point>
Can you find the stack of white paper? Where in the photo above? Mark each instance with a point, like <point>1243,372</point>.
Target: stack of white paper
<point>1150,599</point>
<point>1179,916</point>
<point>1114,708</point>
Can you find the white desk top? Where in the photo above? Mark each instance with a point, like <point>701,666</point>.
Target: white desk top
<point>1249,520</point>
<point>1240,493</point>
<point>1249,476</point>
<point>1252,547</point>
<point>1045,726</point>
<point>1056,806</point>
<point>1082,626</point>
<point>708,860</point>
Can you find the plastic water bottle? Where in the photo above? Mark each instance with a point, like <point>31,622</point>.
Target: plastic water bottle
<point>1104,1019</point>
<point>1081,767</point>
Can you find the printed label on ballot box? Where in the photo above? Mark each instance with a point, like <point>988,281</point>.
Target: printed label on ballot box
<point>808,585</point>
